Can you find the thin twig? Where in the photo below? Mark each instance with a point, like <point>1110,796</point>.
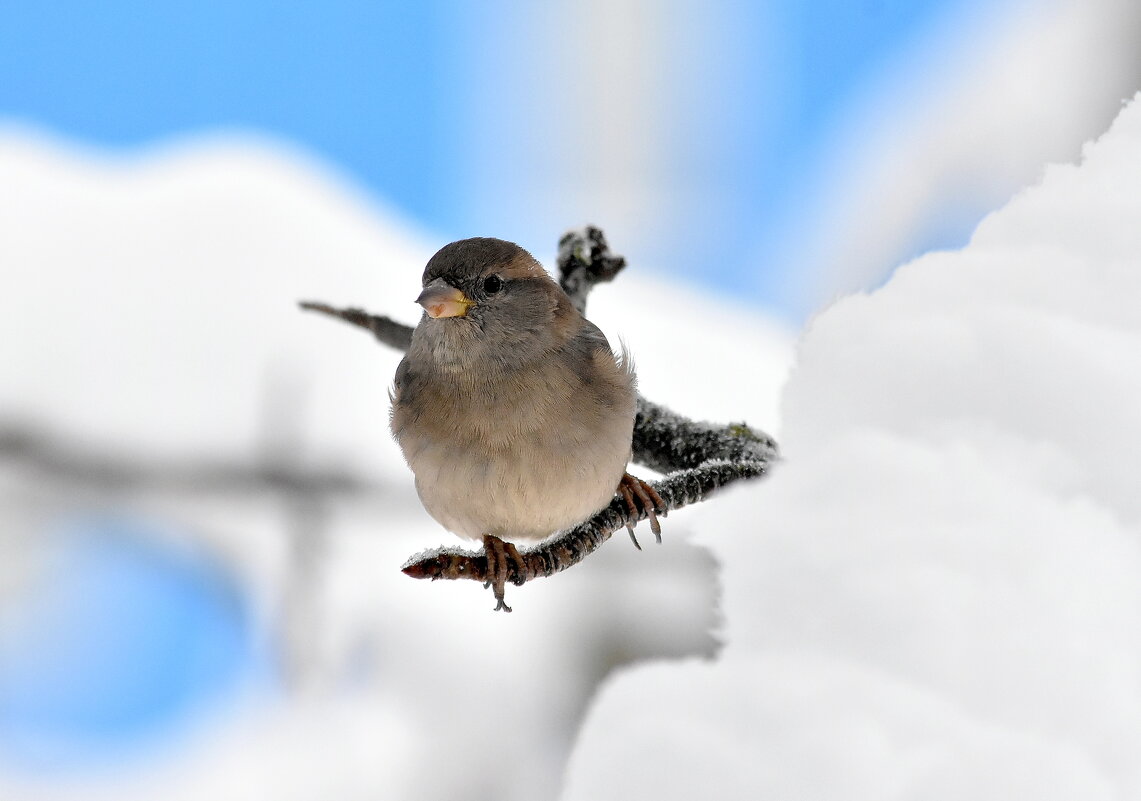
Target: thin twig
<point>698,457</point>
<point>391,333</point>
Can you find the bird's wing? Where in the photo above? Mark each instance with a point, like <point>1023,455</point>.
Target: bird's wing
<point>591,338</point>
<point>399,381</point>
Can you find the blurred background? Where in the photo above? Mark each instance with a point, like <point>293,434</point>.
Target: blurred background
<point>202,515</point>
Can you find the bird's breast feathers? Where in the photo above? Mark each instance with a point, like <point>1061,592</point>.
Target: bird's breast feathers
<point>521,456</point>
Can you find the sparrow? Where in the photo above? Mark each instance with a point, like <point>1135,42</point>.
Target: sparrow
<point>511,409</point>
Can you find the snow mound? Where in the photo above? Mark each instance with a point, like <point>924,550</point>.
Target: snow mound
<point>150,304</point>
<point>939,593</point>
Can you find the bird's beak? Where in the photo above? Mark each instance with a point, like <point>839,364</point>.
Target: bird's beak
<point>441,299</point>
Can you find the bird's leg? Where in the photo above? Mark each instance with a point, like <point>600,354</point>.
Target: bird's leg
<point>628,495</point>
<point>498,552</point>
<point>638,493</point>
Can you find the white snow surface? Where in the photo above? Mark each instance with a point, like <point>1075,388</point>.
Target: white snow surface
<point>938,593</point>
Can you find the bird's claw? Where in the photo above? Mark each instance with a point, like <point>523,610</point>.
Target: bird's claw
<point>640,498</point>
<point>498,553</point>
<point>633,538</point>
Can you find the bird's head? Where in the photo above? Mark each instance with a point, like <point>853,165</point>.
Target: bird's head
<point>489,302</point>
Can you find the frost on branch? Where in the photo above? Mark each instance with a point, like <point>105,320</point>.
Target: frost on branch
<point>697,457</point>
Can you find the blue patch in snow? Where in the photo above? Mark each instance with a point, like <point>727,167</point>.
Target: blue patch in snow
<point>117,641</point>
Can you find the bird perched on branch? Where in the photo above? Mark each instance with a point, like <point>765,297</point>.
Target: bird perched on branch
<point>510,407</point>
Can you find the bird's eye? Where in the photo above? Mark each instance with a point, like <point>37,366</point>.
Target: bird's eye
<point>492,284</point>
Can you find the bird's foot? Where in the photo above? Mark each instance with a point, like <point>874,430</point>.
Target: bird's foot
<point>641,497</point>
<point>498,552</point>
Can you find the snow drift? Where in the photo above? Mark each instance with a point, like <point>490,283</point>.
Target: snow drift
<point>938,595</point>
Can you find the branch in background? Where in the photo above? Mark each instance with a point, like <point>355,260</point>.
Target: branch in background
<point>391,333</point>
<point>585,260</point>
<point>698,457</point>
<point>63,459</point>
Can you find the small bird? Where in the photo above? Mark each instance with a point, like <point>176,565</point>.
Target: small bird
<point>510,407</point>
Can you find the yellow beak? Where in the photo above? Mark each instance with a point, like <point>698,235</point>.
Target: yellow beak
<point>441,299</point>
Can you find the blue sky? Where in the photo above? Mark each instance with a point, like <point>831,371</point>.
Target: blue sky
<point>120,636</point>
<point>419,102</point>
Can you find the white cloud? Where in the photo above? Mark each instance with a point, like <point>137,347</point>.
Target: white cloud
<point>939,593</point>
